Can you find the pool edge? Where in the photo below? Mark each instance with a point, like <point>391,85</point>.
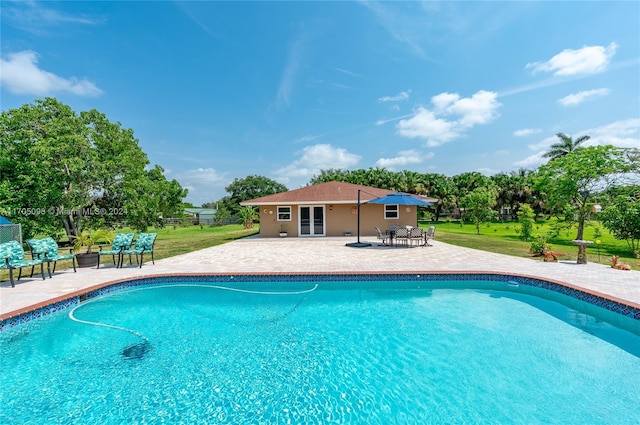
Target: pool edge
<point>620,306</point>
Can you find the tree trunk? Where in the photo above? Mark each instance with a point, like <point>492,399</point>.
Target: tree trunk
<point>582,248</point>
<point>71,226</point>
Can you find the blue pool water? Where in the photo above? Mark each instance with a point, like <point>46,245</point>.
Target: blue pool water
<point>351,353</point>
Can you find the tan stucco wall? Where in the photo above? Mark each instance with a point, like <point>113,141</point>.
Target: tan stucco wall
<point>338,220</point>
<point>270,226</point>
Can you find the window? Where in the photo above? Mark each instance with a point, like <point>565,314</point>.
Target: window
<point>391,212</point>
<point>284,213</point>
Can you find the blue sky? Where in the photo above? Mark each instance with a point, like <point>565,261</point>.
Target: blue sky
<point>222,90</point>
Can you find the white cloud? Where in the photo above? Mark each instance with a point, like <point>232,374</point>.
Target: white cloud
<point>532,161</point>
<point>622,134</point>
<point>526,132</point>
<point>403,95</point>
<point>349,73</point>
<point>404,28</point>
<point>403,158</point>
<point>424,124</point>
<point>487,171</point>
<point>304,139</point>
<point>583,96</point>
<point>481,108</point>
<point>544,143</point>
<point>291,69</point>
<point>587,60</point>
<point>36,18</point>
<point>475,110</point>
<point>315,158</point>
<point>204,184</point>
<point>21,75</point>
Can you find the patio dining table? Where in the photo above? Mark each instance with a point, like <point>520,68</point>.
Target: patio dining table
<point>392,236</point>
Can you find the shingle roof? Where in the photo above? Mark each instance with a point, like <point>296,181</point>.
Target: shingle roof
<point>324,193</point>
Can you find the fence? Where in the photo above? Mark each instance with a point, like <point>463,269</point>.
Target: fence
<point>195,221</point>
<point>10,232</point>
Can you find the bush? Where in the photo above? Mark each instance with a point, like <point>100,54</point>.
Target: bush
<point>539,246</point>
<point>526,218</point>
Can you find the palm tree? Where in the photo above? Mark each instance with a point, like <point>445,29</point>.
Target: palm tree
<point>565,145</point>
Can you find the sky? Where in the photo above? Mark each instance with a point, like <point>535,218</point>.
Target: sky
<point>216,90</point>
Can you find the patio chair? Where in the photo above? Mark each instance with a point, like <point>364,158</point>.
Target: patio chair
<point>144,244</point>
<point>382,237</point>
<point>121,242</point>
<point>402,236</point>
<point>12,257</point>
<point>416,235</point>
<point>47,249</point>
<point>428,235</point>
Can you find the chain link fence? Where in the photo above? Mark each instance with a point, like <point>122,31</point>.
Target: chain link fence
<point>10,232</point>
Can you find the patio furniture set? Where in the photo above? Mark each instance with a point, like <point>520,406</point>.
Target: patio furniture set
<point>406,236</point>
<point>12,254</point>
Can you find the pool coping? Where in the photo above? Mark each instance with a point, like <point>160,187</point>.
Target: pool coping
<point>617,305</point>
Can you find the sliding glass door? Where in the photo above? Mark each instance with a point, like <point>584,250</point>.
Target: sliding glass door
<point>312,221</point>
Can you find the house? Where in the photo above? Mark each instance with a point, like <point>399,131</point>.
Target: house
<point>201,215</point>
<point>329,209</point>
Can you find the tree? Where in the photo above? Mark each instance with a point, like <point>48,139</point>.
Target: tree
<point>633,155</point>
<point>440,187</point>
<point>43,152</point>
<point>571,181</point>
<point>478,205</point>
<point>622,218</point>
<point>565,146</point>
<point>526,218</point>
<point>77,171</point>
<point>250,187</point>
<point>222,214</point>
<point>247,216</point>
<point>155,198</point>
<point>465,183</point>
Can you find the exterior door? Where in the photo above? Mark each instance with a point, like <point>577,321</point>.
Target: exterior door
<point>311,221</point>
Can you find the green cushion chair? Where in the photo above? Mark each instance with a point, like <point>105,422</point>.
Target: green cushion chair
<point>12,257</point>
<point>121,242</point>
<point>47,250</point>
<point>144,244</point>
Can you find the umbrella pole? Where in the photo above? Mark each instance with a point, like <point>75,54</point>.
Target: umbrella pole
<point>358,215</point>
<point>359,244</point>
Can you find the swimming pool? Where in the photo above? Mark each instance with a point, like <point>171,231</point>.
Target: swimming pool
<point>321,351</point>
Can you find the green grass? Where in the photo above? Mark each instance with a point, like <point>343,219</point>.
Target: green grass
<point>502,238</point>
<point>181,240</point>
<point>171,241</point>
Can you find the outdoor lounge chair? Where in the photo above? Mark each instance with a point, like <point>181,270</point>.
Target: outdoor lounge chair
<point>429,234</point>
<point>144,244</point>
<point>121,242</point>
<point>382,237</point>
<point>47,250</point>
<point>12,257</point>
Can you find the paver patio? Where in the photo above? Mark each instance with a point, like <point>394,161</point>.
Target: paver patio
<point>254,254</point>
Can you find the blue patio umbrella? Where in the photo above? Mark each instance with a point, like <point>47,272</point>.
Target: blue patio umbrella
<point>4,220</point>
<point>400,198</point>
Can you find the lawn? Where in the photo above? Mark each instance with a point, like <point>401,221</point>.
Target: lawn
<point>172,241</point>
<point>503,238</point>
<point>494,237</point>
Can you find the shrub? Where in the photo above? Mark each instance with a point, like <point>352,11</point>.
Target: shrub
<point>526,218</point>
<point>539,246</point>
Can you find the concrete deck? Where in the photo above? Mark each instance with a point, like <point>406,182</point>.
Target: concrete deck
<point>254,254</point>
